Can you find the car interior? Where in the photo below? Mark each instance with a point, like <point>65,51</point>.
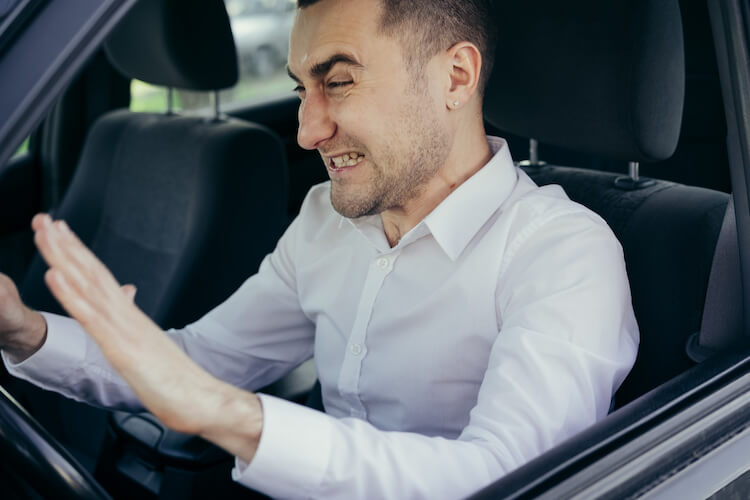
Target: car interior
<point>618,102</point>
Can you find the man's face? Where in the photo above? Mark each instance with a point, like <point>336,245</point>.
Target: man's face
<point>376,124</point>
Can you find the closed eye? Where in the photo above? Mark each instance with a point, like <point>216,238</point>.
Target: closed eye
<point>333,85</point>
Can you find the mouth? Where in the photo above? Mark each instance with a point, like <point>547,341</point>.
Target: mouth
<point>344,161</point>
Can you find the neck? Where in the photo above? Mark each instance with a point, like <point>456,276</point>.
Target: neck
<point>468,155</point>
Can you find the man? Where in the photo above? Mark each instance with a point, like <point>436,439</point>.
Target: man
<point>462,319</point>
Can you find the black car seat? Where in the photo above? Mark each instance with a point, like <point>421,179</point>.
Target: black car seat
<point>185,208</point>
<point>607,79</point>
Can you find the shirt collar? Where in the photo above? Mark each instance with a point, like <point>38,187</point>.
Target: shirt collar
<point>458,218</point>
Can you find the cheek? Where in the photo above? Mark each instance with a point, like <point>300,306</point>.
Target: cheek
<point>362,119</point>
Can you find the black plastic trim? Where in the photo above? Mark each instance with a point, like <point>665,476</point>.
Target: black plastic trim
<point>68,60</point>
<point>14,23</point>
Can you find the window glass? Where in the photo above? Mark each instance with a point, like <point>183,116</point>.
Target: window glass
<point>261,35</point>
<point>23,149</point>
<point>146,97</point>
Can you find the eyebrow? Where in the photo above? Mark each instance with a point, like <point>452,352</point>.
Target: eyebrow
<point>322,68</point>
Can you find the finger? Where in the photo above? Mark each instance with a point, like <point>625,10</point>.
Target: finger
<point>129,291</point>
<point>72,247</point>
<point>69,298</point>
<point>50,248</point>
<point>64,251</point>
<point>86,291</point>
<point>40,220</point>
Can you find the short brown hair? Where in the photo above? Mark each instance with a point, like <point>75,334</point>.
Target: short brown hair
<point>430,26</point>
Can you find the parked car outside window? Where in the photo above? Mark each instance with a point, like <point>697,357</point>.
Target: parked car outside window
<point>261,35</point>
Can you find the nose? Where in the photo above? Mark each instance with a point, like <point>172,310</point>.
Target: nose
<point>315,123</point>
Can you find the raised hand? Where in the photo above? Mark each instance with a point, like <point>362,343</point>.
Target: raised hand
<point>168,383</point>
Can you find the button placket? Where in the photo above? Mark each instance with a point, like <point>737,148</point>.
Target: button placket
<point>348,383</point>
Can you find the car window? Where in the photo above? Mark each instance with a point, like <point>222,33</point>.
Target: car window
<point>261,34</point>
<point>147,97</point>
<point>23,149</point>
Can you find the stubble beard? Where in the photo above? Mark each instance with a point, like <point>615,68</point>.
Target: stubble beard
<point>402,169</point>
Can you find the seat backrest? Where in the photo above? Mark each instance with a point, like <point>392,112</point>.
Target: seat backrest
<point>668,232</point>
<point>582,78</point>
<point>160,197</point>
<point>185,208</point>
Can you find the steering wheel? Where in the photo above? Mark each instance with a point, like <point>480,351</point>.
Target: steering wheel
<point>33,464</point>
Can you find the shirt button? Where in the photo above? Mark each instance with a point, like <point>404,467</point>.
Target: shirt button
<point>355,349</point>
<point>383,263</point>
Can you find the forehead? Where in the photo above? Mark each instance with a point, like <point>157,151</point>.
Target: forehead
<point>335,26</point>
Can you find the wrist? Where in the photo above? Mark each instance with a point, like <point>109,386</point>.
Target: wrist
<point>236,422</point>
<point>28,340</point>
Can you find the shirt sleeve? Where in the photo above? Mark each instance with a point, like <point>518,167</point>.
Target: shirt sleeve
<point>255,337</point>
<point>567,339</point>
<point>70,363</point>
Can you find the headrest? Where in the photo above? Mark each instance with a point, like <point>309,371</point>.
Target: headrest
<point>186,44</point>
<point>605,77</point>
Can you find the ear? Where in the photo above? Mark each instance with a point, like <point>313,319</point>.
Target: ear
<point>464,67</point>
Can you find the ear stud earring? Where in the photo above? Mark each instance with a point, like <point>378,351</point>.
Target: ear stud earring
<point>456,104</point>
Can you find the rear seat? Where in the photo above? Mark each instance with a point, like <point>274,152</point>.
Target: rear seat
<point>583,79</point>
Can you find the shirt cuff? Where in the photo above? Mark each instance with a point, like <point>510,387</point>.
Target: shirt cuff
<point>293,453</point>
<point>64,349</point>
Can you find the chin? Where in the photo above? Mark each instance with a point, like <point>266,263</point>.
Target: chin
<point>353,208</point>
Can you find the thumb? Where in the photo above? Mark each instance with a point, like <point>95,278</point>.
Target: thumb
<point>129,291</point>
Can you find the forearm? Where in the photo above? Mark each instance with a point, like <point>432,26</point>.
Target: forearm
<point>180,393</point>
<point>69,362</point>
<point>219,412</point>
<point>189,400</point>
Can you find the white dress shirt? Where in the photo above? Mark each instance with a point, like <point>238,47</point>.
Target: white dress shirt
<point>498,327</point>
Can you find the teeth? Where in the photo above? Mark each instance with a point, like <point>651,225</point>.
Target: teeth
<point>347,160</point>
